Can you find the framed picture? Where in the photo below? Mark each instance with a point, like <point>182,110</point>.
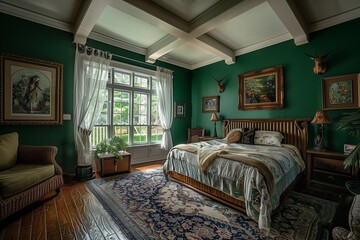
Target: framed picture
<point>210,104</point>
<point>348,148</point>
<point>262,89</point>
<point>180,109</point>
<point>341,92</point>
<point>31,91</point>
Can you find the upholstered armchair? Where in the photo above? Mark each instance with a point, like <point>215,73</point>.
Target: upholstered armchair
<point>340,233</point>
<point>27,174</point>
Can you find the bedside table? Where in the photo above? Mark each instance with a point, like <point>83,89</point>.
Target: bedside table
<point>326,174</point>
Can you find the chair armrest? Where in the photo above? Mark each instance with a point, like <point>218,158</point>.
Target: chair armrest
<point>39,155</point>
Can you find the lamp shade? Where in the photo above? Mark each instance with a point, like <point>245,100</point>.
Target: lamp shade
<point>214,117</point>
<point>321,117</point>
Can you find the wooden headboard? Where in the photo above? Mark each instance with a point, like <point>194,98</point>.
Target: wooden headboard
<point>295,131</point>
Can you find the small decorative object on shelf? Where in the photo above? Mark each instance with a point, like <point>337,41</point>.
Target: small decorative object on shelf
<point>320,118</point>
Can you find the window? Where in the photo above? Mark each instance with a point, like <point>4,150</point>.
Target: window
<point>130,109</point>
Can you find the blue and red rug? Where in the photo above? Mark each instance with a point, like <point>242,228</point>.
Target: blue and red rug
<point>145,206</point>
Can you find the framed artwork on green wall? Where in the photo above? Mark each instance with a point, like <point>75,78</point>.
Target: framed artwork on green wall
<point>180,109</point>
<point>341,92</point>
<point>31,90</point>
<point>210,104</point>
<point>263,89</point>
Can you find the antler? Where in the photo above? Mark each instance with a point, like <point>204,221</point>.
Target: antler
<point>218,80</point>
<point>327,54</point>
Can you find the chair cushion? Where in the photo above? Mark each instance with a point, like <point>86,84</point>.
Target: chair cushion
<point>8,150</point>
<point>22,176</point>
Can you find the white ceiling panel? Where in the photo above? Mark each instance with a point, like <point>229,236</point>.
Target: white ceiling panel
<point>124,27</point>
<point>256,25</point>
<point>187,33</point>
<point>186,9</point>
<point>189,54</point>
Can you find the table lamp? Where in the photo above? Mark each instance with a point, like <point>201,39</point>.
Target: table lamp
<point>320,118</point>
<point>214,118</point>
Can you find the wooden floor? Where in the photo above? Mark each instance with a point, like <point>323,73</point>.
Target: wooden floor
<point>74,213</point>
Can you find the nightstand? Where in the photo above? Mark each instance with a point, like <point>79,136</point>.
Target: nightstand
<point>207,138</point>
<point>110,165</point>
<point>326,174</point>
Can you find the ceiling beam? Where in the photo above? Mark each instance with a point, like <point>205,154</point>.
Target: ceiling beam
<point>87,19</point>
<point>162,47</point>
<point>214,46</point>
<point>292,19</point>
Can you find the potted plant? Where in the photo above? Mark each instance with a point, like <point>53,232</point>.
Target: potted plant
<point>114,146</point>
<point>351,122</point>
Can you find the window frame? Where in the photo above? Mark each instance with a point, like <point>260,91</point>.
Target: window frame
<point>111,87</point>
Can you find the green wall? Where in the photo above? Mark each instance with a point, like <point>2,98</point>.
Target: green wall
<point>28,39</point>
<point>302,86</point>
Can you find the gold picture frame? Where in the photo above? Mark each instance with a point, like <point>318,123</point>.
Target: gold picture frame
<point>31,91</point>
<point>210,104</point>
<point>341,92</point>
<point>179,109</point>
<point>263,89</point>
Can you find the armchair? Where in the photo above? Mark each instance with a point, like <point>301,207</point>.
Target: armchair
<point>27,180</point>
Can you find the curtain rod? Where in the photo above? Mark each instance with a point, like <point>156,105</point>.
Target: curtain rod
<point>134,60</point>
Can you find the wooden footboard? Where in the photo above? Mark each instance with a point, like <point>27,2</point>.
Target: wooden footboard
<point>220,196</point>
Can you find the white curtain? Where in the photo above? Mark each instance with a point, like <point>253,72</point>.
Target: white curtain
<point>165,95</point>
<point>90,77</point>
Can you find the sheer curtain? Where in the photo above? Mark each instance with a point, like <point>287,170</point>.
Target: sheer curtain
<point>90,77</point>
<point>165,94</point>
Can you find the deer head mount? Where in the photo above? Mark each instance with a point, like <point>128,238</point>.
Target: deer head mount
<point>320,66</point>
<point>221,88</point>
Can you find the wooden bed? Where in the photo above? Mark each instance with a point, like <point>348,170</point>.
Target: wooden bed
<point>295,132</point>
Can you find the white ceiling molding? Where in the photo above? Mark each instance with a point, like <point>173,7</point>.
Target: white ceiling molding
<point>162,47</point>
<point>35,17</point>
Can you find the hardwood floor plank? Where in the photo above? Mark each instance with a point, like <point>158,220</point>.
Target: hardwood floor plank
<point>83,209</point>
<point>63,216</point>
<point>26,225</point>
<point>105,223</point>
<point>12,230</point>
<point>52,224</point>
<point>79,230</point>
<point>38,231</point>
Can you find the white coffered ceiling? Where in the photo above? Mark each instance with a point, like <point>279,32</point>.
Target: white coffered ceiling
<point>187,33</point>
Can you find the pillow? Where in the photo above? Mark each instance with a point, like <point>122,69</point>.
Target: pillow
<point>233,137</point>
<point>8,150</point>
<point>248,137</point>
<point>268,138</point>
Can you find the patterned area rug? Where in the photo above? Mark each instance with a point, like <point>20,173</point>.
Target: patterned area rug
<point>146,206</point>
